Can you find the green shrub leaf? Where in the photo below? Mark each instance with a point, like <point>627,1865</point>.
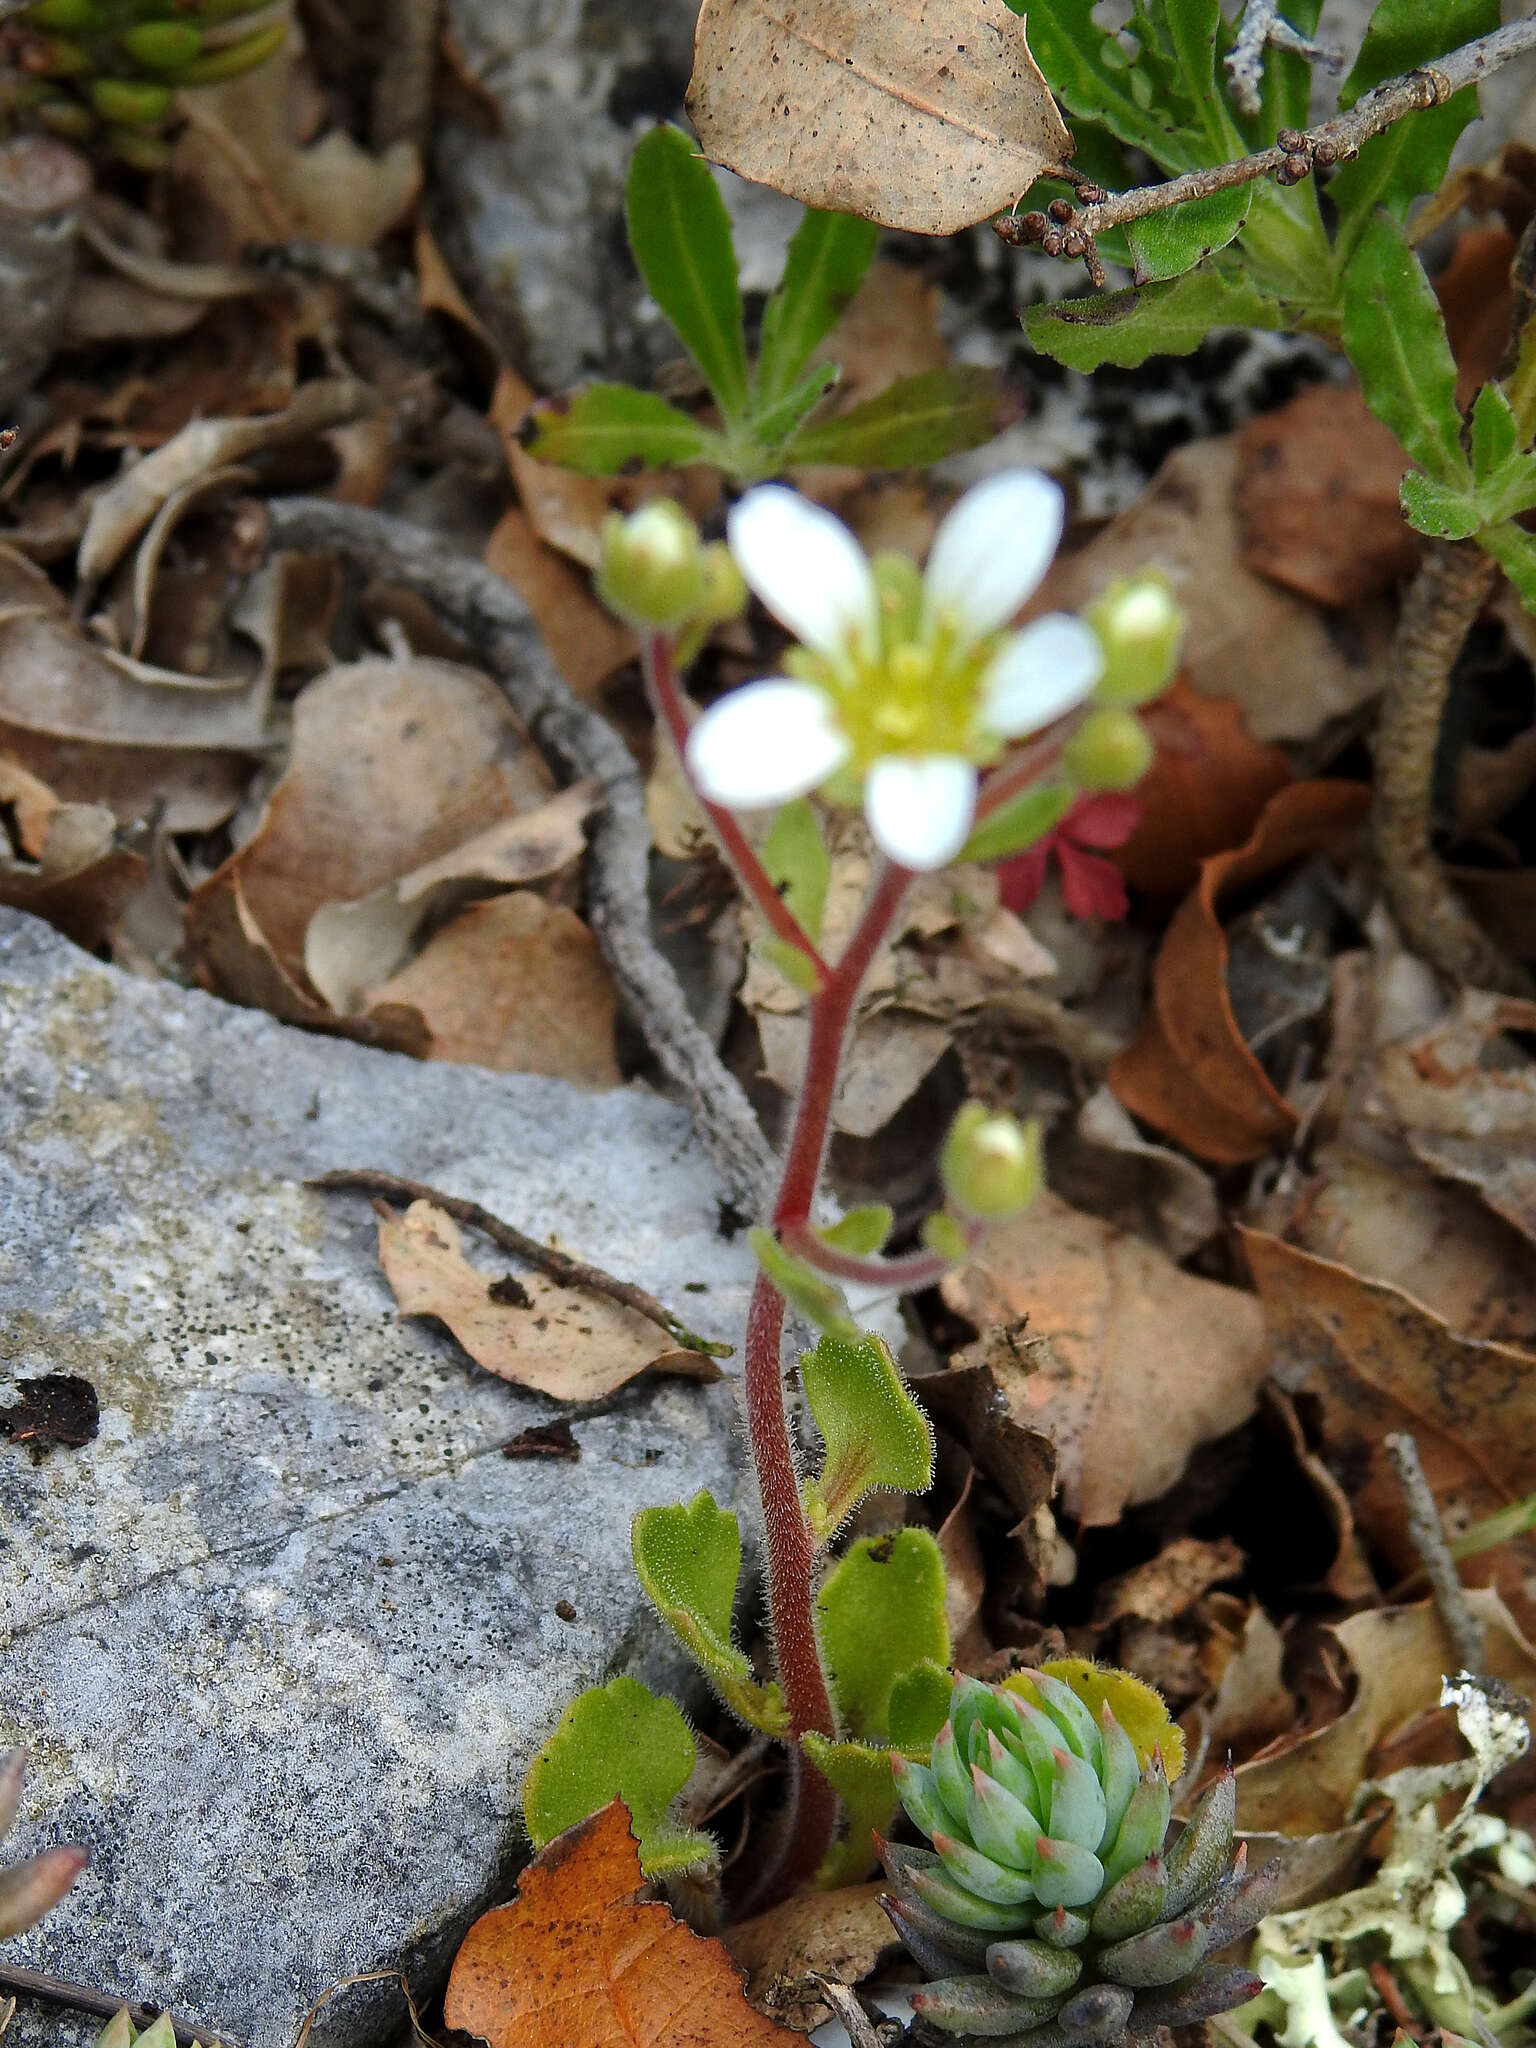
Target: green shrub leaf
<point>1172,318</point>
<point>618,1741</point>
<point>1515,551</point>
<point>607,428</point>
<point>1167,244</point>
<point>875,1433</point>
<point>680,233</point>
<point>881,1612</point>
<point>1394,335</point>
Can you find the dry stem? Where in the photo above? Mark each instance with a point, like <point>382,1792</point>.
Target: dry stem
<point>1428,1534</point>
<point>1440,608</point>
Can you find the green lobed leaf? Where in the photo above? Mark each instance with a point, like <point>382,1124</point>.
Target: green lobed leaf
<point>913,423</point>
<point>860,1775</point>
<point>1167,244</point>
<point>797,863</point>
<point>919,1707</point>
<point>618,1741</point>
<point>817,1298</point>
<point>1020,823</point>
<point>880,1611</point>
<point>1412,156</point>
<point>826,264</point>
<point>862,1231</point>
<point>688,1559</point>
<point>1515,551</point>
<point>606,428</point>
<point>680,233</point>
<point>1172,318</point>
<point>875,1433</point>
<point>1394,335</point>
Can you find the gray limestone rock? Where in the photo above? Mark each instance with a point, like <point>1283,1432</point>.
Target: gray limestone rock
<point>281,1640</point>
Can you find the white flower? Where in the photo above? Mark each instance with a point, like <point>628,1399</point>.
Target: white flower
<point>906,685</point>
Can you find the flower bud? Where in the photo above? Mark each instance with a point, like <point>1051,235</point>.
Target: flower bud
<point>1140,625</point>
<point>990,1165</point>
<point>725,588</point>
<point>1111,749</point>
<point>652,570</point>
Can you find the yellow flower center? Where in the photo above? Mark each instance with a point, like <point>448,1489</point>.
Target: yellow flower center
<point>917,692</point>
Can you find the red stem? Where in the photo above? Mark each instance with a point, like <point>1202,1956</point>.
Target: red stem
<point>901,1276</point>
<point>1016,773</point>
<point>667,703</point>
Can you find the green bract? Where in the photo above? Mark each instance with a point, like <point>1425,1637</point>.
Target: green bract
<point>1050,1908</point>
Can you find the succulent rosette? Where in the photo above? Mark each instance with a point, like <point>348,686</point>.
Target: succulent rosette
<point>1051,1908</point>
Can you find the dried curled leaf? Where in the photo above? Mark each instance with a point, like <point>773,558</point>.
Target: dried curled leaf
<point>578,1960</point>
<point>928,119</point>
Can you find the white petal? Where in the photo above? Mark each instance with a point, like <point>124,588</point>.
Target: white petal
<point>920,810</point>
<point>1040,674</point>
<point>765,744</point>
<point>806,567</point>
<point>992,549</point>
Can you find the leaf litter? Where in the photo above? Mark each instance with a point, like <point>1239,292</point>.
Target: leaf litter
<point>1290,1201</point>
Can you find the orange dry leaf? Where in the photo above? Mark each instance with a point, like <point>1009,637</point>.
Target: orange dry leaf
<point>579,1960</point>
<point>1316,494</point>
<point>1209,781</point>
<point>1188,1072</point>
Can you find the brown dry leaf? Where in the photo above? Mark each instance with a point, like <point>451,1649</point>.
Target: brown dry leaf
<point>71,867</point>
<point>1188,1071</point>
<point>586,642</point>
<point>1399,1655</point>
<point>121,513</point>
<point>350,948</point>
<point>1465,1110</point>
<point>393,765</point>
<point>1374,1360</point>
<point>1169,1584</point>
<point>96,734</point>
<point>1252,1702</point>
<point>1142,1361</point>
<point>578,1961</point>
<point>1105,1165</point>
<point>515,984</point>
<point>1186,524</point>
<point>251,180</point>
<point>567,1343</point>
<point>928,119</point>
<point>1478,301</point>
<point>1208,782</point>
<point>1349,1577</point>
<point>1317,498</point>
<point>840,1935</point>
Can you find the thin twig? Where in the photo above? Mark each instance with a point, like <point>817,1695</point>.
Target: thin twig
<point>560,1266</point>
<point>1428,1537</point>
<point>491,616</point>
<point>1262,29</point>
<point>1072,231</point>
<point>1440,608</point>
<point>80,1998</point>
<point>369,1977</point>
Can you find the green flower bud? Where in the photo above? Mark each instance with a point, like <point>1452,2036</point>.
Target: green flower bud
<point>990,1165</point>
<point>130,103</point>
<point>652,569</point>
<point>725,588</point>
<point>1140,625</point>
<point>1050,1862</point>
<point>162,45</point>
<point>1111,749</point>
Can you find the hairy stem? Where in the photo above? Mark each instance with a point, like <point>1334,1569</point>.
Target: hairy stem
<point>1441,606</point>
<point>812,1817</point>
<point>667,703</point>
